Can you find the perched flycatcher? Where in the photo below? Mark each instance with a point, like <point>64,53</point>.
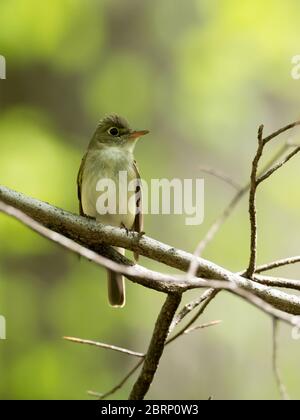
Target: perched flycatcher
<point>110,153</point>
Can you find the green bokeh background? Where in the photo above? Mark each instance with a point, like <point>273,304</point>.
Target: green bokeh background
<point>201,75</point>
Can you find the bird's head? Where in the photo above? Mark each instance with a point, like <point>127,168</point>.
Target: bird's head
<point>115,131</point>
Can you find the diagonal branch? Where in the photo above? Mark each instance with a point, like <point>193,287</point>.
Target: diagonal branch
<point>156,347</point>
<point>104,346</point>
<point>203,326</point>
<point>89,233</point>
<point>211,295</point>
<point>189,307</point>
<point>278,282</point>
<point>278,166</point>
<point>281,131</point>
<point>279,263</point>
<point>221,175</point>
<point>119,385</point>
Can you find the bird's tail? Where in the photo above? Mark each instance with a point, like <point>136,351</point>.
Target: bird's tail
<point>116,287</point>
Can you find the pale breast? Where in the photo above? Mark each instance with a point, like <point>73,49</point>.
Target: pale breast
<point>107,204</point>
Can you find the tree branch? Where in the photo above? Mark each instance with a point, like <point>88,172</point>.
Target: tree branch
<point>277,264</point>
<point>189,307</point>
<point>252,206</point>
<point>203,326</point>
<point>218,223</point>
<point>281,386</point>
<point>156,347</point>
<point>104,346</point>
<point>221,175</point>
<point>205,304</point>
<point>89,233</point>
<point>278,166</point>
<point>278,282</point>
<point>255,181</point>
<point>119,385</point>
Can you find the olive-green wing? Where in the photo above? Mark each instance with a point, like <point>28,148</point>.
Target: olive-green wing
<point>79,184</point>
<point>138,224</point>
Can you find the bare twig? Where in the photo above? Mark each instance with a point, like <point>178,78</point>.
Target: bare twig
<point>281,386</point>
<point>189,307</point>
<point>218,223</point>
<point>255,181</point>
<point>156,347</point>
<point>95,394</point>
<point>252,206</point>
<point>276,264</point>
<point>211,295</point>
<point>267,308</point>
<point>278,166</point>
<point>104,346</point>
<point>125,379</point>
<point>118,386</point>
<point>203,326</point>
<point>214,229</point>
<point>281,131</point>
<point>278,282</point>
<point>205,296</point>
<point>259,303</point>
<point>220,175</point>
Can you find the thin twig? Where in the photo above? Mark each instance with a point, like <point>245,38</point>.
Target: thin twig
<point>189,307</point>
<point>205,304</point>
<point>252,205</point>
<point>118,386</point>
<point>124,380</point>
<point>94,394</point>
<point>281,131</point>
<point>218,223</point>
<point>266,307</point>
<point>277,282</point>
<point>256,301</point>
<point>214,229</point>
<point>104,346</point>
<point>281,386</point>
<point>156,347</point>
<point>221,175</point>
<point>277,264</point>
<point>255,181</point>
<point>278,166</point>
<point>203,326</point>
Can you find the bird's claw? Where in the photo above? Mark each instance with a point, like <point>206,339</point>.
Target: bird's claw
<point>141,234</point>
<point>124,227</point>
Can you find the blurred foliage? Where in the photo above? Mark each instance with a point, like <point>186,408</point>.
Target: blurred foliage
<point>201,75</point>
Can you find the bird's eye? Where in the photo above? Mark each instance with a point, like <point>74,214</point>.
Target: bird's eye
<point>113,131</point>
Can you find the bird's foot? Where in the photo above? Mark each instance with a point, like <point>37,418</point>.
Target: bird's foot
<point>124,227</point>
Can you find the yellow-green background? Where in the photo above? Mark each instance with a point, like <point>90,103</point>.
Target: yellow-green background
<point>201,75</point>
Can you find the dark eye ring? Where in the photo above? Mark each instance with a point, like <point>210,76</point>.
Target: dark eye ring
<point>113,131</point>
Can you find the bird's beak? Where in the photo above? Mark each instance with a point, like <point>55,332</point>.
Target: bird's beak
<point>136,134</point>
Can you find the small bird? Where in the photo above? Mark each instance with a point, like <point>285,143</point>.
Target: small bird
<point>109,153</point>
